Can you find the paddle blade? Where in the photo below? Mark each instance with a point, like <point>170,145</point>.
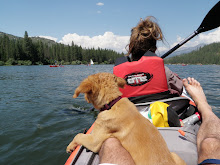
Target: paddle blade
<point>211,20</point>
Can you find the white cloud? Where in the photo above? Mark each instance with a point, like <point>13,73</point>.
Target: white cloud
<point>118,43</point>
<point>203,38</point>
<point>100,4</point>
<point>49,37</point>
<point>106,41</point>
<point>99,12</point>
<point>161,49</point>
<point>211,37</point>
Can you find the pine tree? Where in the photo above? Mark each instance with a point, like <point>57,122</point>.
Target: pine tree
<point>26,47</point>
<point>29,49</point>
<point>5,54</point>
<point>40,51</point>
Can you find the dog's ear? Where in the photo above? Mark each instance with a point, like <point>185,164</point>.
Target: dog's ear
<point>84,87</point>
<point>120,81</point>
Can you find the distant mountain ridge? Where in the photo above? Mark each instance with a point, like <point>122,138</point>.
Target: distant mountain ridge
<point>34,39</point>
<point>184,50</point>
<point>9,35</point>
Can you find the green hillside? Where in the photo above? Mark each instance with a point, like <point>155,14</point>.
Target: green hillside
<point>34,39</point>
<point>209,54</point>
<point>40,51</point>
<point>11,37</point>
<point>43,40</point>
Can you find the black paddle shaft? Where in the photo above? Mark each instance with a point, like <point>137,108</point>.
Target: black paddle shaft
<point>180,44</point>
<point>211,21</point>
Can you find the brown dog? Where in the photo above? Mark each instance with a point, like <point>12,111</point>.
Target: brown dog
<point>123,121</point>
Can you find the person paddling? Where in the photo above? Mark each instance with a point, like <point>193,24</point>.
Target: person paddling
<point>143,70</point>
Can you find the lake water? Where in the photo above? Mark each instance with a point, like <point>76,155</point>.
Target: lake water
<point>39,117</point>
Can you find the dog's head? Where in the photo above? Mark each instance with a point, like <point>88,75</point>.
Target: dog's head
<point>100,88</point>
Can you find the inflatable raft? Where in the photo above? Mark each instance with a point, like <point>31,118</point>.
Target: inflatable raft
<point>184,146</point>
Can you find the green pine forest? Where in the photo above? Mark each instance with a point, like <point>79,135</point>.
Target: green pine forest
<point>209,54</point>
<point>39,51</point>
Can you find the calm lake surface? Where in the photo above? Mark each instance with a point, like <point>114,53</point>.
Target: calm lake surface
<point>39,117</point>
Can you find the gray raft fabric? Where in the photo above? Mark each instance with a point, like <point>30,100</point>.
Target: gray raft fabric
<point>183,147</point>
<point>175,142</point>
<point>85,158</point>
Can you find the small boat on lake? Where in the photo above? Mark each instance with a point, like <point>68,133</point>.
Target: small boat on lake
<point>91,62</point>
<point>56,66</point>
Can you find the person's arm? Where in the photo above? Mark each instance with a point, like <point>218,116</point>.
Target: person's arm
<point>175,84</point>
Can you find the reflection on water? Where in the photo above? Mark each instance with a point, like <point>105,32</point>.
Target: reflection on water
<point>39,117</point>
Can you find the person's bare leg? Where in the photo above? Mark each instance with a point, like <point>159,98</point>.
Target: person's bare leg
<point>113,152</point>
<point>208,137</point>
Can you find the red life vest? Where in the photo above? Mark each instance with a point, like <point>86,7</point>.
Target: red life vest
<point>144,77</point>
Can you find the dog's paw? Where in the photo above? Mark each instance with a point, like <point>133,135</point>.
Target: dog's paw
<point>71,147</point>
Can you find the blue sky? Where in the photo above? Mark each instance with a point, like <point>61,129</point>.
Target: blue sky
<point>104,23</point>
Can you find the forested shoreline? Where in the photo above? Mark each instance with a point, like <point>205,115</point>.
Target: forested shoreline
<point>209,54</point>
<point>39,51</point>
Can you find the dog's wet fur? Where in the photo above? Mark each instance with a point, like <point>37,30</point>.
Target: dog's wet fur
<point>123,121</point>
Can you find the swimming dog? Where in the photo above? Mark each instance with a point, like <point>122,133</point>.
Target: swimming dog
<point>120,118</point>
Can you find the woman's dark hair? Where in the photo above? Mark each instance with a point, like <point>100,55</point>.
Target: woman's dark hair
<point>144,37</point>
